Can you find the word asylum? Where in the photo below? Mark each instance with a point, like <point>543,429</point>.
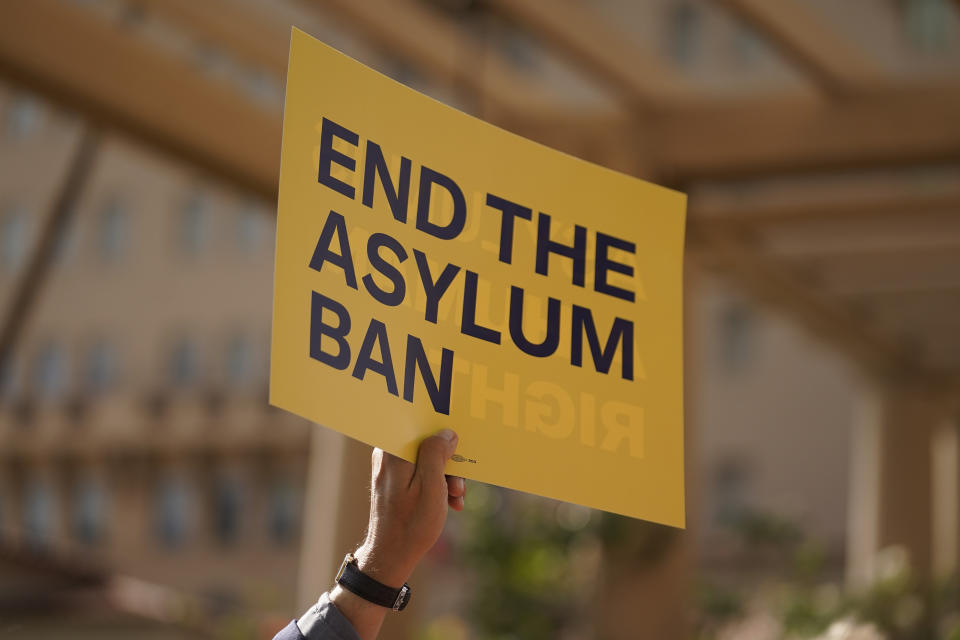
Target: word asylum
<point>331,325</point>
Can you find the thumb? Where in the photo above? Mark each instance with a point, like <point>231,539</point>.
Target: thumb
<point>434,453</point>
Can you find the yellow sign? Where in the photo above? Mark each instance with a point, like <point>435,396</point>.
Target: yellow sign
<point>435,271</point>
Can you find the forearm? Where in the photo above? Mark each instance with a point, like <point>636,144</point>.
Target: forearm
<point>366,617</point>
<point>408,507</point>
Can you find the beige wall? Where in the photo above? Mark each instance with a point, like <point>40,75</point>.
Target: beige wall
<point>775,410</point>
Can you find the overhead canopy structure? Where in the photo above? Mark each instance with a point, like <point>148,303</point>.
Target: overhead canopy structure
<point>856,119</point>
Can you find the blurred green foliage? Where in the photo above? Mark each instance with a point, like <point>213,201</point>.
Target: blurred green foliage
<point>806,599</point>
<point>534,562</point>
<point>518,554</point>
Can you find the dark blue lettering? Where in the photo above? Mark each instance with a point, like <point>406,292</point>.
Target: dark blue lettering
<point>397,196</point>
<point>338,332</point>
<point>434,290</point>
<point>604,264</point>
<point>468,323</point>
<point>550,342</point>
<point>510,211</point>
<point>335,224</point>
<point>389,298</point>
<point>437,389</point>
<point>328,155</point>
<point>376,332</point>
<point>621,333</point>
<point>428,178</point>
<point>577,252</point>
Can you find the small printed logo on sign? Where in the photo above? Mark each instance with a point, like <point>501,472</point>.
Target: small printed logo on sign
<point>459,458</point>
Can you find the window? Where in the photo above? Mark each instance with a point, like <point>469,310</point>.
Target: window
<point>747,45</point>
<point>65,242</point>
<point>928,24</point>
<point>22,117</point>
<point>89,512</point>
<point>51,371</point>
<point>13,238</point>
<point>730,483</point>
<point>284,512</point>
<point>193,224</point>
<point>239,361</point>
<point>171,512</point>
<point>736,336</point>
<point>100,369</point>
<point>184,363</point>
<point>113,230</point>
<point>250,226</point>
<point>517,46</point>
<point>9,380</point>
<point>261,86</point>
<point>227,510</point>
<point>39,513</point>
<point>683,29</point>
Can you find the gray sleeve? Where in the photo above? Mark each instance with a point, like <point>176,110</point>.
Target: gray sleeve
<point>323,621</point>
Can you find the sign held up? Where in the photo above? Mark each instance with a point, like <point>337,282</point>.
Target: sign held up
<point>435,271</point>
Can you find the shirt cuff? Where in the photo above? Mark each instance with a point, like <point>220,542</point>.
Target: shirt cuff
<point>323,621</point>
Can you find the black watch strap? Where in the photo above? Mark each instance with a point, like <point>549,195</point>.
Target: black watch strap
<point>355,581</point>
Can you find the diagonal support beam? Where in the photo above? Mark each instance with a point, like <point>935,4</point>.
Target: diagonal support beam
<point>255,39</point>
<point>882,128</point>
<point>832,61</point>
<point>578,33</point>
<point>35,272</point>
<point>731,255</point>
<point>856,198</point>
<point>435,44</point>
<point>120,82</point>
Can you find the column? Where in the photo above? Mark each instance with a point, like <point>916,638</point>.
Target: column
<point>905,491</point>
<point>863,503</point>
<point>945,482</point>
<point>893,480</point>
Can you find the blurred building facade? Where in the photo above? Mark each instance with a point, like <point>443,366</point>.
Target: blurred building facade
<point>135,433</point>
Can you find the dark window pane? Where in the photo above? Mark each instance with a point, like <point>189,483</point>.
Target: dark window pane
<point>193,224</point>
<point>101,367</point>
<point>113,230</point>
<point>171,513</point>
<point>284,513</point>
<point>184,364</point>
<point>13,238</point>
<point>89,512</point>
<point>227,510</point>
<point>51,371</point>
<point>39,513</point>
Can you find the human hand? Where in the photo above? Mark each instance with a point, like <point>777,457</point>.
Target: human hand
<point>408,507</point>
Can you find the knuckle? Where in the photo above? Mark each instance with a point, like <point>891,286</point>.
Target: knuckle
<point>434,446</point>
<point>378,466</point>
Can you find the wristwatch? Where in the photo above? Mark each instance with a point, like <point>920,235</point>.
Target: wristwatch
<point>355,581</point>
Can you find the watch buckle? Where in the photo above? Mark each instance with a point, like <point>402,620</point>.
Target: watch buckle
<point>401,598</point>
<point>347,559</point>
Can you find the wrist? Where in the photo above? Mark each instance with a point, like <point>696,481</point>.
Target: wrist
<point>364,616</point>
<point>383,566</point>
